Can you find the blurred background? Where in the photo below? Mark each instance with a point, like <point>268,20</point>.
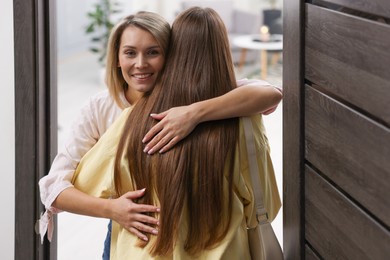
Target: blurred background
<point>80,75</point>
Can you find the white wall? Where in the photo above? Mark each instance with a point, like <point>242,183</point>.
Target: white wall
<point>169,8</point>
<point>7,131</point>
<point>72,18</point>
<point>72,21</point>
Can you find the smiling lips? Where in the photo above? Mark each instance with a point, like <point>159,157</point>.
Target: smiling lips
<point>142,76</point>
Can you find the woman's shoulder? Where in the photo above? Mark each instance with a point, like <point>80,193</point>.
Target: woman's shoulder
<point>256,120</point>
<point>100,110</point>
<point>103,105</point>
<point>256,126</point>
<point>102,99</point>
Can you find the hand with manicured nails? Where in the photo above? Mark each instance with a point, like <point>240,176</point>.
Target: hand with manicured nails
<point>174,125</point>
<point>131,215</point>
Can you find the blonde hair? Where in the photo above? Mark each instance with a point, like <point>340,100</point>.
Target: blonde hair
<point>148,21</point>
<point>192,174</point>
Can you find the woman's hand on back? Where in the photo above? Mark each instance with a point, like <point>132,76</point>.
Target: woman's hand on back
<point>174,125</point>
<point>132,216</point>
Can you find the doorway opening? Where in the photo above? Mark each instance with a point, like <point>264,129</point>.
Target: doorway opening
<point>80,77</point>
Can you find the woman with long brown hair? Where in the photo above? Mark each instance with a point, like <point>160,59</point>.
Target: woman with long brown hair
<point>136,54</point>
<point>201,185</point>
<point>192,174</point>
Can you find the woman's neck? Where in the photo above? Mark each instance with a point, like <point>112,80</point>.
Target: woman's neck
<point>132,96</point>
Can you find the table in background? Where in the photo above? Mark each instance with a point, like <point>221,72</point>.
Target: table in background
<point>248,42</point>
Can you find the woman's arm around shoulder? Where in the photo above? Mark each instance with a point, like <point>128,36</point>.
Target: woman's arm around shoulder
<point>252,97</point>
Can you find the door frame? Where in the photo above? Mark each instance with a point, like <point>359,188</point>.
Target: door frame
<point>35,119</point>
<point>293,129</point>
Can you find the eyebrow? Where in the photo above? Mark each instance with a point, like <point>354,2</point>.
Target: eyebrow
<point>133,47</point>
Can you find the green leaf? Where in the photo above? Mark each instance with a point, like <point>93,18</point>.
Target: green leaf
<point>100,22</point>
<point>90,28</point>
<point>91,15</point>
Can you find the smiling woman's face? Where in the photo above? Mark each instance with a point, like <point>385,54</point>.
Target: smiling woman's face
<point>140,60</point>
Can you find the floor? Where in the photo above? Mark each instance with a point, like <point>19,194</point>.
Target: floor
<point>79,77</point>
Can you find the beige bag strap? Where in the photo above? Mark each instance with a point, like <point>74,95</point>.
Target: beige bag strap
<point>261,212</point>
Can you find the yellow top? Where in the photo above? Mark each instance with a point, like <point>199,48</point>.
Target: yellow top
<point>94,176</point>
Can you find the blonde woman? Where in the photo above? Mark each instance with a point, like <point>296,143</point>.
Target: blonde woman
<point>136,56</point>
<point>201,185</point>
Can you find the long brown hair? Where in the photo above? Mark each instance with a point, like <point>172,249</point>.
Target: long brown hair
<point>192,174</point>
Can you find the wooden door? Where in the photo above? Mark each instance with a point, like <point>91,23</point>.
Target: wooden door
<point>336,129</point>
<point>35,119</point>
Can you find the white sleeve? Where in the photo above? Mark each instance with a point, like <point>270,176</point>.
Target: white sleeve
<point>246,82</point>
<point>82,137</point>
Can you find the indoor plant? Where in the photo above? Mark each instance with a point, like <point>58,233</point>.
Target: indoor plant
<point>100,25</point>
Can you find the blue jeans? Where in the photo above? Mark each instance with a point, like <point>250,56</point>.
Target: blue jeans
<point>107,243</point>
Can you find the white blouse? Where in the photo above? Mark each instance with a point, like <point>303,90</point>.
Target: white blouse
<point>94,119</point>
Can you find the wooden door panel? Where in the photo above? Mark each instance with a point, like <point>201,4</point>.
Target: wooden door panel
<point>350,39</point>
<point>336,124</point>
<point>350,150</point>
<point>342,80</point>
<point>376,7</point>
<point>309,254</point>
<point>344,54</point>
<point>336,227</point>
